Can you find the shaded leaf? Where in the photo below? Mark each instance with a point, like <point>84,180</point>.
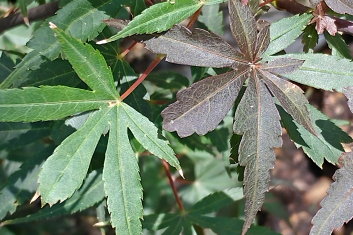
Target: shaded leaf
<point>201,107</point>
<point>285,31</point>
<point>121,178</point>
<point>197,48</point>
<point>212,18</point>
<point>46,103</point>
<point>146,133</point>
<point>332,73</point>
<point>258,120</point>
<point>64,171</point>
<point>20,186</point>
<point>291,98</point>
<point>341,6</point>
<point>348,92</point>
<point>88,63</point>
<point>326,144</point>
<point>87,196</point>
<point>6,66</point>
<point>338,46</point>
<point>337,206</point>
<point>243,26</point>
<point>81,18</point>
<point>310,37</point>
<point>151,20</point>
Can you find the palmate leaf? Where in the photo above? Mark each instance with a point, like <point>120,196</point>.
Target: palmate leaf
<point>82,18</point>
<point>337,206</point>
<point>158,18</point>
<point>338,45</point>
<point>257,119</point>
<point>197,48</point>
<point>64,171</point>
<point>341,6</point>
<point>201,107</point>
<point>90,194</point>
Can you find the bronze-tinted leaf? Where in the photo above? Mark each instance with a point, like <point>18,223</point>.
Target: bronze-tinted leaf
<point>197,48</point>
<point>341,6</point>
<point>291,98</point>
<point>257,119</point>
<point>243,26</point>
<point>263,39</point>
<point>202,106</point>
<point>282,66</point>
<point>337,206</point>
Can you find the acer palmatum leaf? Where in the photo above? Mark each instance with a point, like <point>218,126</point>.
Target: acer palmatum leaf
<point>202,106</point>
<point>337,206</point>
<point>341,6</point>
<point>291,98</point>
<point>197,48</point>
<point>243,26</point>
<point>262,41</point>
<point>257,119</point>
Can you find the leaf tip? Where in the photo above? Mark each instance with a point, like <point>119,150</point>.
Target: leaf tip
<point>52,25</point>
<point>104,41</point>
<point>35,197</point>
<point>181,173</point>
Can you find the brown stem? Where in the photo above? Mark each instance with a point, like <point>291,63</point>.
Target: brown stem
<point>265,3</point>
<point>155,62</point>
<point>142,77</point>
<point>193,18</point>
<point>172,185</point>
<point>36,13</point>
<point>127,50</point>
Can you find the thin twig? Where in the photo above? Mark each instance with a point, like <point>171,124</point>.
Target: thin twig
<point>127,50</point>
<point>193,18</point>
<point>172,185</point>
<point>36,13</point>
<point>142,77</point>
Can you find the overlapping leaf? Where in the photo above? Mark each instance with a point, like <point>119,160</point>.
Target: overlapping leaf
<point>158,18</point>
<point>341,6</point>
<point>337,206</point>
<point>65,170</point>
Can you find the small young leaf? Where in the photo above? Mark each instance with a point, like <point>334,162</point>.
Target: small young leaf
<point>285,31</point>
<point>152,21</point>
<point>146,133</point>
<point>337,207</point>
<point>64,171</point>
<point>341,6</point>
<point>257,119</point>
<point>88,63</point>
<point>197,48</point>
<point>310,37</point>
<point>88,195</point>
<point>121,178</point>
<point>201,107</point>
<point>291,98</point>
<point>46,103</point>
<point>243,26</point>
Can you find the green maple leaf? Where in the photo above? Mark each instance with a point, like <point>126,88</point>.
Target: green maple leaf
<point>64,171</point>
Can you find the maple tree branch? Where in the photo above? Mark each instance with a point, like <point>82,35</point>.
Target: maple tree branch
<point>36,13</point>
<point>172,185</point>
